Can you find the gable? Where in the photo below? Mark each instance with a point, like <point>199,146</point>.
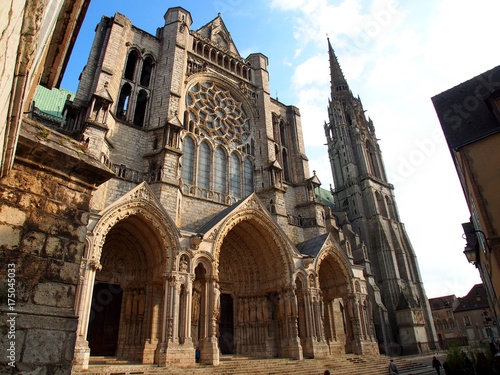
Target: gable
<point>141,192</point>
<point>217,33</point>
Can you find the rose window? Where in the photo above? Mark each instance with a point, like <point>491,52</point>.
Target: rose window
<point>218,114</point>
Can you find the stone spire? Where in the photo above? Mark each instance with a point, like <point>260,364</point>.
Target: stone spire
<point>338,81</point>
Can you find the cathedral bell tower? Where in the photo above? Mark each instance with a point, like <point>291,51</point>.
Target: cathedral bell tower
<point>364,193</point>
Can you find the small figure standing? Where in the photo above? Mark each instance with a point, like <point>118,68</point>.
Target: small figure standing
<point>393,369</point>
<point>436,365</point>
<point>469,366</point>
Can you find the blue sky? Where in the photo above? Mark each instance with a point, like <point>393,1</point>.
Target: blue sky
<point>395,56</point>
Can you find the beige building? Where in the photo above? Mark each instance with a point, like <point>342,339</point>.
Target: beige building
<point>469,114</point>
<point>172,210</point>
<point>475,318</point>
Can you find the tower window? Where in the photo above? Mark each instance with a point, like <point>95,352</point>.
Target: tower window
<point>147,71</point>
<point>130,66</point>
<point>123,101</point>
<point>140,108</point>
<point>133,100</point>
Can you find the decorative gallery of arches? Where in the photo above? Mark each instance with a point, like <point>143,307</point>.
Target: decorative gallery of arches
<point>121,297</point>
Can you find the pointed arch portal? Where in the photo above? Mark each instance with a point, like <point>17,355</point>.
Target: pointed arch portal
<point>121,300</point>
<point>255,304</point>
<point>334,284</point>
<point>125,306</point>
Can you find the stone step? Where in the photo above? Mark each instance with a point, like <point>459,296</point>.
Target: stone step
<point>234,365</point>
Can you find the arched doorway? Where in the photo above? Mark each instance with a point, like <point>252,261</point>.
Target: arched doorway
<point>125,313</point>
<point>257,304</point>
<point>335,287</point>
<point>105,319</point>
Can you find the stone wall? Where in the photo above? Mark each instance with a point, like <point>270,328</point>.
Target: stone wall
<point>44,208</point>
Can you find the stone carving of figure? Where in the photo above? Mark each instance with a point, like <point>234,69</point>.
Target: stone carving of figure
<point>183,264</point>
<point>195,305</point>
<point>240,310</point>
<point>311,281</point>
<point>142,303</point>
<point>216,300</point>
<point>253,310</point>
<point>128,305</point>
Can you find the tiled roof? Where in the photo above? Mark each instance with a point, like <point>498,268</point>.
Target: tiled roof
<point>312,246</point>
<point>219,217</point>
<point>445,302</point>
<point>476,299</point>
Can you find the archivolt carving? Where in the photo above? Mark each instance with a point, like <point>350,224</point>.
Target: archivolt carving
<point>301,276</point>
<point>339,258</point>
<point>206,261</point>
<point>255,215</point>
<point>140,206</point>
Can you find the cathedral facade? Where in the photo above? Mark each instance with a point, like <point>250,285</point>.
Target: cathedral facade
<point>184,222</point>
<point>209,239</point>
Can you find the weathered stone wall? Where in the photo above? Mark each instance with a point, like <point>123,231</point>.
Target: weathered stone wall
<point>44,205</point>
<point>11,19</point>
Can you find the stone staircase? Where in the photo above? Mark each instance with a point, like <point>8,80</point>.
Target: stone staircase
<point>234,365</point>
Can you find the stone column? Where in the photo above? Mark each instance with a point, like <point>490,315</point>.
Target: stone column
<point>292,348</point>
<point>162,347</point>
<point>148,325</point>
<point>189,306</point>
<point>182,353</point>
<point>354,318</point>
<point>210,350</point>
<point>82,351</point>
<point>176,291</point>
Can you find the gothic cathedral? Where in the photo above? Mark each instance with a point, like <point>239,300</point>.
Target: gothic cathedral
<point>210,237</point>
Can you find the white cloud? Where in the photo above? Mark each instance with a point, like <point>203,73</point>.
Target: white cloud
<point>312,72</point>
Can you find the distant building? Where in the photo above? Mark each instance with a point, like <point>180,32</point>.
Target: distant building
<point>444,321</point>
<point>475,318</point>
<point>469,114</point>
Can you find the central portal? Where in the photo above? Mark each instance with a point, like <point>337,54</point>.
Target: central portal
<point>226,325</point>
<point>254,302</point>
